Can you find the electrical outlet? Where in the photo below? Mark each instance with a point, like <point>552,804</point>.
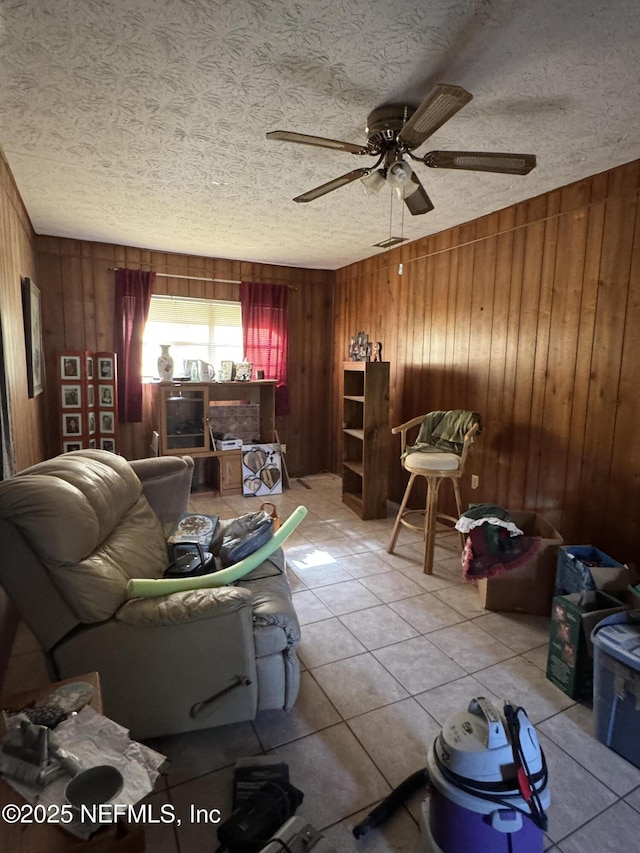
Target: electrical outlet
<point>475,481</point>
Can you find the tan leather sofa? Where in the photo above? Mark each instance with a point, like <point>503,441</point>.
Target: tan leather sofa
<point>74,529</point>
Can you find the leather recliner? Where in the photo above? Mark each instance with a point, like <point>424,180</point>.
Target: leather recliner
<point>74,529</point>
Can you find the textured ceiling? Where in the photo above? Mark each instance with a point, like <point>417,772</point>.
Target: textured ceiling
<point>117,115</point>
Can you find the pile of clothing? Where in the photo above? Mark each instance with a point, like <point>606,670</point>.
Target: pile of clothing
<point>494,543</point>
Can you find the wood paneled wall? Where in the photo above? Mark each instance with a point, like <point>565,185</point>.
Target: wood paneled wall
<point>17,261</point>
<point>79,284</point>
<point>529,316</point>
<point>27,416</point>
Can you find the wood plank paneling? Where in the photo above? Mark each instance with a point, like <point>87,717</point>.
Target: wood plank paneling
<point>80,287</point>
<point>529,318</point>
<point>17,261</point>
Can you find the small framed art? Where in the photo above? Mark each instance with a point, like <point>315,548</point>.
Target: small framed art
<point>70,367</point>
<point>71,425</point>
<point>71,396</point>
<point>105,367</point>
<point>226,371</point>
<point>33,337</point>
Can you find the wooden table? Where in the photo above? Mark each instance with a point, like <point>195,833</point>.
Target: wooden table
<point>47,837</point>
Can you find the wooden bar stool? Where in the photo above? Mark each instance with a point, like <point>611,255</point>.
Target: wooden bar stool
<point>435,466</point>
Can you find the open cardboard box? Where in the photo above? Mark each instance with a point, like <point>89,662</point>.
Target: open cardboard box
<point>528,588</point>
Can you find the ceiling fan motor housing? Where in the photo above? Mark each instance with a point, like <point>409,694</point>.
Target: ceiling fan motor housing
<point>384,124</point>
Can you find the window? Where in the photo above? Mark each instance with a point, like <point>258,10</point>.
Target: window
<point>210,330</point>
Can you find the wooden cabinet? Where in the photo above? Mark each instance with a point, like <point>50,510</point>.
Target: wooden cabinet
<point>187,413</point>
<point>365,437</point>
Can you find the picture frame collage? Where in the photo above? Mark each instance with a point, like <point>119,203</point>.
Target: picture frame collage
<point>88,400</point>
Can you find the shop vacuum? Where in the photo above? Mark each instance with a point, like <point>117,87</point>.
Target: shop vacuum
<point>487,785</point>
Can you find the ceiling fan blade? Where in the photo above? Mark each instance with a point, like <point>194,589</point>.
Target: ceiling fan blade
<point>318,141</point>
<point>438,107</point>
<point>476,161</point>
<point>335,184</point>
<point>417,199</point>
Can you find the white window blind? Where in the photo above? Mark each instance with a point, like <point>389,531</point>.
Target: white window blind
<point>205,329</point>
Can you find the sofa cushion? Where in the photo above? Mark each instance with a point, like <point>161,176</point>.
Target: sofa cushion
<point>83,513</point>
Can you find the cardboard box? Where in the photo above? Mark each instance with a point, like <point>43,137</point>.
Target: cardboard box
<point>528,588</point>
<point>570,658</point>
<point>586,567</point>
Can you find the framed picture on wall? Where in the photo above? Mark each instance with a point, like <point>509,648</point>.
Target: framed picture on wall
<point>32,337</point>
<point>90,396</point>
<point>89,367</point>
<point>71,396</point>
<point>107,444</point>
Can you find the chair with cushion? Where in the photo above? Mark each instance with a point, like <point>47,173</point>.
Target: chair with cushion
<point>440,453</point>
<point>74,530</point>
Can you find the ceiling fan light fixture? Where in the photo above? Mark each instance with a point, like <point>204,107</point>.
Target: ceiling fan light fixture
<point>373,182</point>
<point>399,174</point>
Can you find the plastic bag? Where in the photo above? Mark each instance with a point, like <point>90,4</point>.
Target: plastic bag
<point>244,535</point>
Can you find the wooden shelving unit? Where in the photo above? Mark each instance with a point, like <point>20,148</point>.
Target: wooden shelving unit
<point>365,437</point>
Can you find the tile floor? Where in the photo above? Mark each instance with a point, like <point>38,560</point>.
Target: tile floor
<point>387,655</point>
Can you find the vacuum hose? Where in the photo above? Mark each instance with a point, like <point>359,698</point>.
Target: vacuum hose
<point>394,800</point>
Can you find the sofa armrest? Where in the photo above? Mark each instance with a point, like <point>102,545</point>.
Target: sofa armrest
<point>166,484</point>
<point>188,606</point>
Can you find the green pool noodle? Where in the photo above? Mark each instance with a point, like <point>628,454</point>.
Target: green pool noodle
<point>150,587</point>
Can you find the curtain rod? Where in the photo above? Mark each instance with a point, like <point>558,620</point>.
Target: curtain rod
<point>200,278</point>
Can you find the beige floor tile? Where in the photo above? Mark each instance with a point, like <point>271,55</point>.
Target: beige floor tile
<point>358,684</point>
<point>519,631</point>
<point>309,608</point>
<point>418,664</point>
<point>573,731</point>
<point>193,754</point>
<point>470,646</point>
<point>526,685</point>
<point>426,613</point>
<point>346,597</point>
<point>616,829</point>
<point>400,834</point>
<point>160,837</point>
<point>464,598</point>
<point>538,656</point>
<point>391,586</point>
<point>335,773</point>
<point>397,737</point>
<point>438,579</point>
<point>633,799</point>
<point>326,641</point>
<point>212,793</point>
<point>363,565</point>
<point>576,795</point>
<point>378,626</point>
<point>312,711</point>
<point>321,575</point>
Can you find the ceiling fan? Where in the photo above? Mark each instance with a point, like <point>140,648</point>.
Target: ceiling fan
<point>395,131</point>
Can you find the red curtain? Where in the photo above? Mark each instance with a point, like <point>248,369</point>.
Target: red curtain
<point>264,333</point>
<point>133,296</point>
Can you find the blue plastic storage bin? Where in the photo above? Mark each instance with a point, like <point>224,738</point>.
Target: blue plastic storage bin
<point>616,684</point>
